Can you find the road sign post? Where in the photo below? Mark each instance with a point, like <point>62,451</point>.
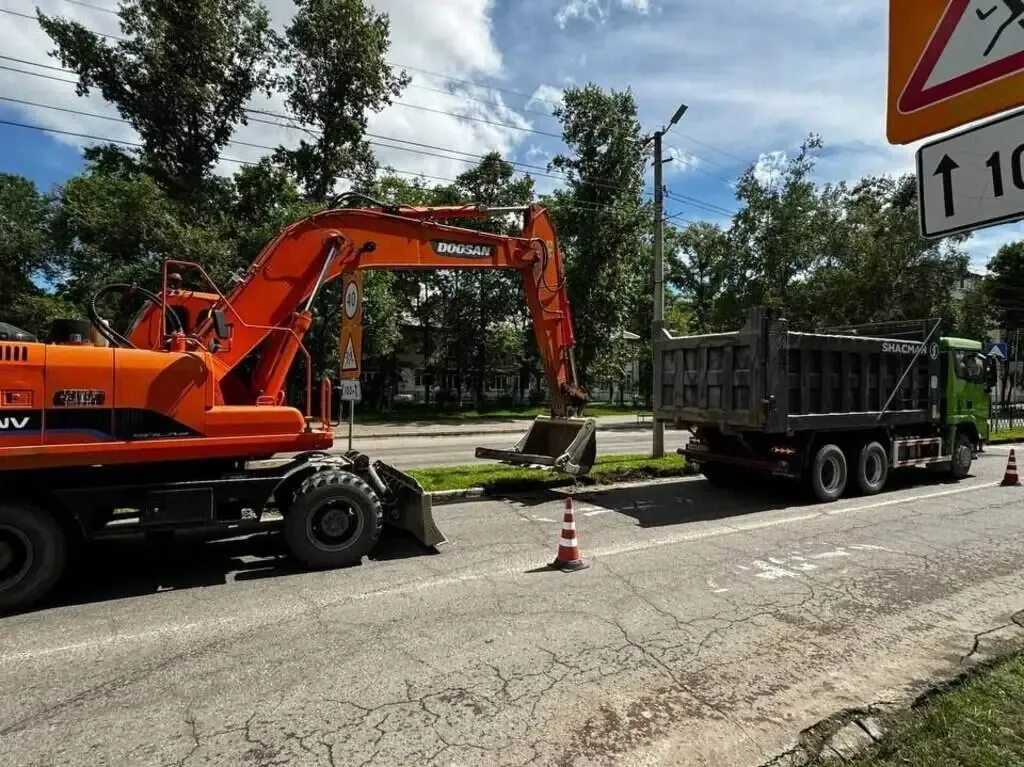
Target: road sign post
<point>952,62</point>
<point>973,179</point>
<point>351,344</point>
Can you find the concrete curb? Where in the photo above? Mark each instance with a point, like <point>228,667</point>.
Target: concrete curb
<point>475,431</point>
<point>453,497</point>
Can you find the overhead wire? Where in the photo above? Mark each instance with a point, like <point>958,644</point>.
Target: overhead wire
<point>579,205</point>
<point>461,81</point>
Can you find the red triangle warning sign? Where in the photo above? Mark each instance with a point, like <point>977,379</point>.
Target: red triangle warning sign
<point>348,361</point>
<point>975,43</point>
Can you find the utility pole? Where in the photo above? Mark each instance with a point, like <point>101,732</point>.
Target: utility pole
<point>658,323</point>
<point>658,444</point>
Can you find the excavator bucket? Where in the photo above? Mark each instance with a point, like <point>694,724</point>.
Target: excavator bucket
<point>568,445</point>
<point>410,507</point>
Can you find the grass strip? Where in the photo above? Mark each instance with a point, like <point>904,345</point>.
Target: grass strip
<point>425,414</point>
<point>1006,435</point>
<point>978,722</point>
<point>499,478</point>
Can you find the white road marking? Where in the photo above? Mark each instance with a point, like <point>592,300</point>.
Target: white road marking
<point>831,554</point>
<point>517,568</point>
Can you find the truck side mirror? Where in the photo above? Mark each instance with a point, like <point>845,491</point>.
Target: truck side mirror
<point>220,325</point>
<point>991,373</point>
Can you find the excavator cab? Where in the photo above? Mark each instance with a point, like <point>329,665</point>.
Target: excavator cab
<point>568,445</point>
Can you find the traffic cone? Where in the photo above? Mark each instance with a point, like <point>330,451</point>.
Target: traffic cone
<point>1011,477</point>
<point>568,559</point>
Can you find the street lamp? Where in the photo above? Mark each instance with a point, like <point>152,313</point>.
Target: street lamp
<point>658,323</point>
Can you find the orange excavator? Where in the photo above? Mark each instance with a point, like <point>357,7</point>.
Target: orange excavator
<point>177,422</point>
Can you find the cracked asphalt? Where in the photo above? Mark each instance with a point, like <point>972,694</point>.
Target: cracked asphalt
<point>711,628</point>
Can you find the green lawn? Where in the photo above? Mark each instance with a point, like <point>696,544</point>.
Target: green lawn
<point>1006,435</point>
<point>421,413</point>
<point>609,468</point>
<point>977,724</point>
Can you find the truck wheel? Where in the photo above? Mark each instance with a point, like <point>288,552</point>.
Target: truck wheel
<point>334,519</point>
<point>963,454</point>
<point>33,554</point>
<point>872,468</point>
<point>828,473</point>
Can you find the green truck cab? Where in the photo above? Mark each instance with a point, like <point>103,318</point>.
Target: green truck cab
<point>969,378</point>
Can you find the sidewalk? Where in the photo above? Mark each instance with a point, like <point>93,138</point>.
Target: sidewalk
<point>472,427</point>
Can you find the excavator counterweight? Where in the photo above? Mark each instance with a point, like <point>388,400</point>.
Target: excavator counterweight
<point>177,423</point>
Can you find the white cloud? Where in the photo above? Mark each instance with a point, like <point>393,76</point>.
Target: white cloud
<point>596,11</point>
<point>681,161</point>
<point>452,38</point>
<point>546,97</point>
<point>770,166</point>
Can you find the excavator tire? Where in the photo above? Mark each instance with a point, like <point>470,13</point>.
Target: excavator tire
<point>33,554</point>
<point>333,520</point>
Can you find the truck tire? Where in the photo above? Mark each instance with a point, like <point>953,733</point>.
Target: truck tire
<point>872,468</point>
<point>333,520</point>
<point>828,473</point>
<point>963,455</point>
<point>33,554</point>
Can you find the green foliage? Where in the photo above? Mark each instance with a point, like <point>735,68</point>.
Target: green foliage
<point>181,76</point>
<point>601,216</point>
<point>335,54</point>
<point>1005,288</point>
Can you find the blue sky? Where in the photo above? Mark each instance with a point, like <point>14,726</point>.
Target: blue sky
<point>757,77</point>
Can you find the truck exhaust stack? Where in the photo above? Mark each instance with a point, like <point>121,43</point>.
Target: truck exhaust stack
<point>568,445</point>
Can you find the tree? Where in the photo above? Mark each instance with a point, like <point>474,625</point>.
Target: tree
<point>601,215</point>
<point>181,76</point>
<point>26,256</point>
<point>120,227</point>
<point>335,54</point>
<point>698,267</point>
<point>1005,286</point>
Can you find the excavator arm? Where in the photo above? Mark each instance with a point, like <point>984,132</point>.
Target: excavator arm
<point>270,308</point>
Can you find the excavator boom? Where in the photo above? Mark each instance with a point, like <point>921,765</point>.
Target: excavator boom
<point>294,266</point>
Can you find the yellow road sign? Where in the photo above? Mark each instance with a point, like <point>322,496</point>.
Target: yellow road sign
<point>952,62</point>
<point>351,325</point>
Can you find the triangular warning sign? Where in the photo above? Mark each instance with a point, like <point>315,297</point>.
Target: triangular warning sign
<point>348,362</point>
<point>975,43</point>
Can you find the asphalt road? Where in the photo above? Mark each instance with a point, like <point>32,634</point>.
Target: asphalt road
<point>710,628</point>
<point>417,452</point>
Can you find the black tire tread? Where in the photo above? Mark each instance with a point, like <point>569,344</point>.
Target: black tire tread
<point>862,484</point>
<point>327,477</point>
<point>39,523</point>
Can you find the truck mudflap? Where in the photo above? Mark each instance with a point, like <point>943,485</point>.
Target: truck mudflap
<point>407,506</point>
<point>568,445</point>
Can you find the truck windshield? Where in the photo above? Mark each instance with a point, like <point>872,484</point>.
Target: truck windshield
<point>970,366</point>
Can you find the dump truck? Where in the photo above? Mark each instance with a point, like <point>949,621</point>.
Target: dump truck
<point>180,421</point>
<point>839,409</point>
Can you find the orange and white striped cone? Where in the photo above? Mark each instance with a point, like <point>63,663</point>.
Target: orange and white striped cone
<point>568,559</point>
<point>1011,478</point>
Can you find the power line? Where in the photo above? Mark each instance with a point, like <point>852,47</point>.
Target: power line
<point>700,204</point>
<point>396,102</point>
<point>580,205</point>
<point>396,65</point>
<point>461,81</point>
<point>538,170</point>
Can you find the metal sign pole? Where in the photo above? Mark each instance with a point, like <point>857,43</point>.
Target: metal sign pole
<point>351,420</point>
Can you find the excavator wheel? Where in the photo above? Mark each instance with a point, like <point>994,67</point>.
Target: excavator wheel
<point>33,554</point>
<point>333,520</point>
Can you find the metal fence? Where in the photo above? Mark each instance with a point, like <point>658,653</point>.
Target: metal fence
<point>1008,396</point>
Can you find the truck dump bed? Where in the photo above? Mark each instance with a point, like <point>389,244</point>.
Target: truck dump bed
<point>768,378</point>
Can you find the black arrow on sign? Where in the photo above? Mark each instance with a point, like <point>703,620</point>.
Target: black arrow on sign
<point>945,169</point>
